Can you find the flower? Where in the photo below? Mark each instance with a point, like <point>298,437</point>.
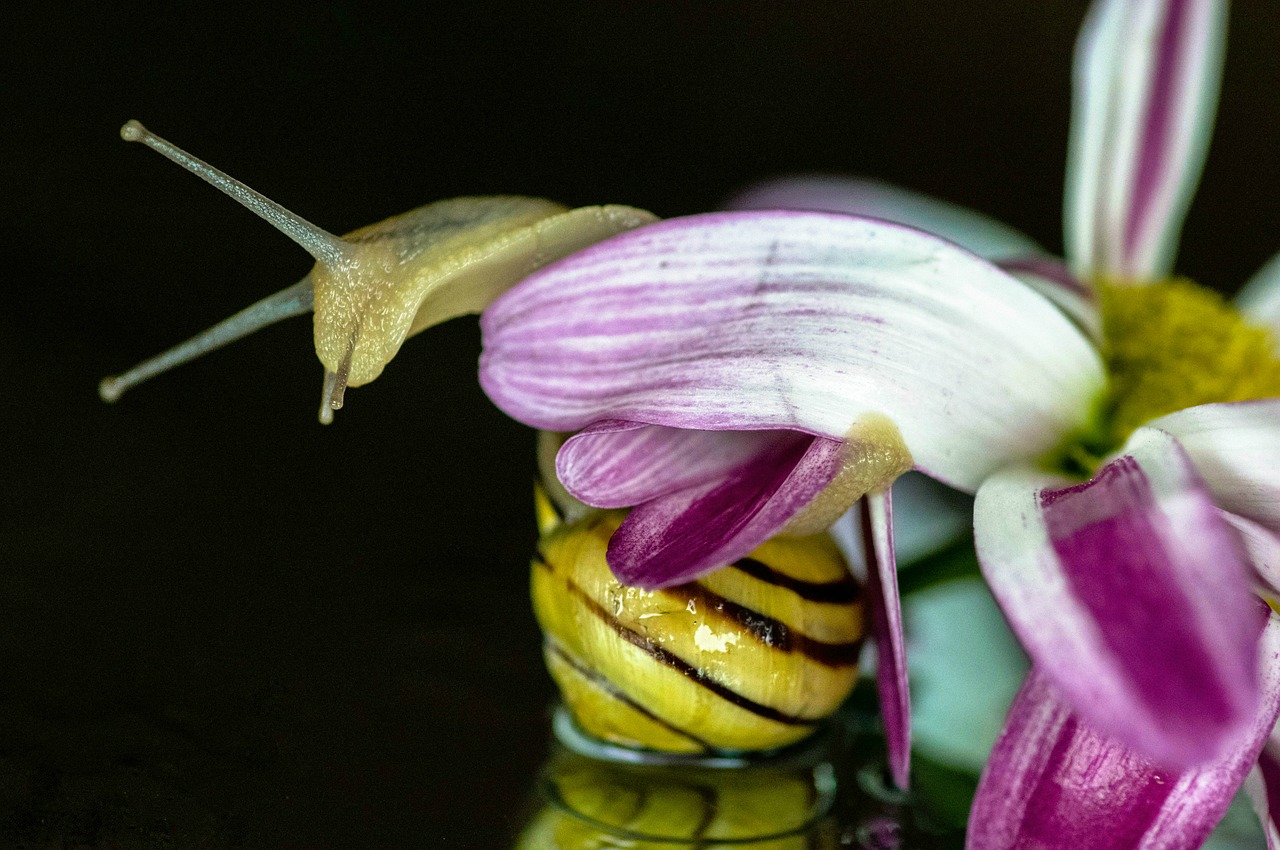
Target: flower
<point>741,374</point>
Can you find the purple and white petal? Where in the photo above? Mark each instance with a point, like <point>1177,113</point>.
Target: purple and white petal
<point>1051,278</point>
<point>876,513</point>
<point>1260,297</point>
<point>927,516</point>
<point>1236,448</point>
<point>678,537</point>
<point>798,321</point>
<point>1131,593</point>
<point>566,507</point>
<point>973,231</point>
<point>617,464</point>
<point>1263,549</point>
<point>1147,74</point>
<point>1054,781</point>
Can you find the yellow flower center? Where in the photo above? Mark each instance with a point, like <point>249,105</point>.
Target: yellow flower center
<point>1170,345</point>
<point>1173,345</point>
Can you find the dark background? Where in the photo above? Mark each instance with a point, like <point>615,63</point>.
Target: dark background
<point>222,624</point>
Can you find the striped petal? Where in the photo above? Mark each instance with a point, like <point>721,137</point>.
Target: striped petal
<point>1147,74</point>
<point>1259,299</point>
<point>1236,449</point>
<point>795,321</point>
<point>678,537</point>
<point>876,515</point>
<point>1054,781</point>
<point>617,464</point>
<point>861,196</point>
<point>1132,594</point>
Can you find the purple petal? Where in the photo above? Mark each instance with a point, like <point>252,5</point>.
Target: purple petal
<point>1146,88</point>
<point>1236,448</point>
<point>886,619</point>
<point>617,464</point>
<point>1053,781</point>
<point>793,321</point>
<point>1132,594</point>
<point>860,196</point>
<point>678,537</point>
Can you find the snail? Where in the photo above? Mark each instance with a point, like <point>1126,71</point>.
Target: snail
<point>376,286</point>
<point>751,657</point>
<point>594,804</point>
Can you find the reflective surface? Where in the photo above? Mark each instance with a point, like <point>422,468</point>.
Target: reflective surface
<point>226,626</point>
<point>829,791</point>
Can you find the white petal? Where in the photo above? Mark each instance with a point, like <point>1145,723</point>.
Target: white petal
<point>1050,278</point>
<point>863,196</point>
<point>1260,297</point>
<point>1263,549</point>
<point>1236,448</point>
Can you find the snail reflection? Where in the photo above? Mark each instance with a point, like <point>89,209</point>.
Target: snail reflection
<point>590,803</point>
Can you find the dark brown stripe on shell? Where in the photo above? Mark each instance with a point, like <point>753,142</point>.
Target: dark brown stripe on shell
<point>836,592</point>
<point>710,800</point>
<point>774,634</point>
<point>612,690</point>
<point>668,658</point>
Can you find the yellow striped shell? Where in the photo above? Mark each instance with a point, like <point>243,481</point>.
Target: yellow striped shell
<point>751,657</point>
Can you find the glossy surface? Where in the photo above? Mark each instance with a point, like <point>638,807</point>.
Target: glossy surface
<point>749,657</point>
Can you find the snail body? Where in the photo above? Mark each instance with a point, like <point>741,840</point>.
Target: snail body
<point>376,286</point>
<point>751,657</point>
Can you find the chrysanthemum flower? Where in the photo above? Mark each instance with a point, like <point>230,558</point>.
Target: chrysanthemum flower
<point>738,375</point>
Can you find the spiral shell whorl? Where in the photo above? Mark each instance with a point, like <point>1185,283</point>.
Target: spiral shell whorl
<point>750,657</point>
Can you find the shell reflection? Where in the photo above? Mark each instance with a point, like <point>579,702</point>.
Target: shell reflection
<point>592,804</point>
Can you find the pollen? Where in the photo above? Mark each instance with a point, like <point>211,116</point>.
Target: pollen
<point>1175,344</point>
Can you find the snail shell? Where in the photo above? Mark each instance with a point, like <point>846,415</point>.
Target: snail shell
<point>750,657</point>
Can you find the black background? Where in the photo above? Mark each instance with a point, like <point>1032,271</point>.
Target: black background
<point>222,624</point>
